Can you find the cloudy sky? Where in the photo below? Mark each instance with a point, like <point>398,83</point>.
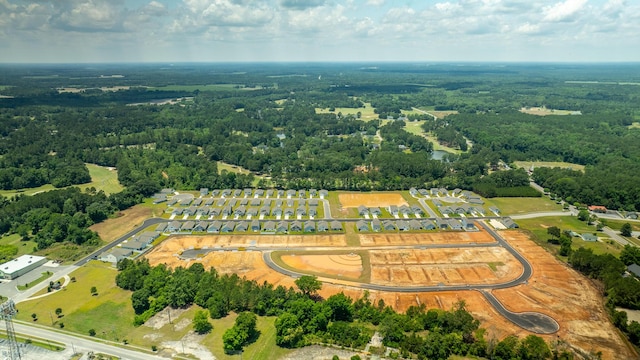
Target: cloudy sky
<point>318,30</point>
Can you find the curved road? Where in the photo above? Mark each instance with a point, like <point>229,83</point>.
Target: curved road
<point>531,321</point>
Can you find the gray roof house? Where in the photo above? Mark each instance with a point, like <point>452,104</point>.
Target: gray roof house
<point>295,226</point>
<point>187,226</point>
<point>289,211</point>
<point>201,226</point>
<point>269,226</point>
<point>276,211</point>
<point>240,211</point>
<point>244,202</point>
<point>309,226</point>
<point>403,225</point>
<point>247,191</point>
<point>376,225</point>
<point>388,225</point>
<point>424,192</point>
<point>428,225</point>
<point>115,255</point>
<point>265,210</point>
<point>323,193</point>
<point>336,225</point>
<point>417,209</point>
<point>509,223</point>
<point>313,211</point>
<point>455,224</point>
<point>362,226</point>
<point>494,210</point>
<point>252,211</point>
<point>404,209</point>
<point>173,226</point>
<point>375,211</point>
<point>177,211</point>
<point>228,227</point>
<point>291,193</point>
<point>255,225</point>
<point>323,226</point>
<point>415,224</point>
<point>215,211</point>
<point>208,201</point>
<point>282,227</point>
<point>441,224</point>
<point>255,202</point>
<point>221,202</point>
<point>634,269</point>
<point>393,209</point>
<point>301,211</point>
<point>133,245</point>
<point>270,192</point>
<point>242,226</point>
<point>215,226</point>
<point>589,237</point>
<point>161,227</point>
<point>197,201</point>
<point>233,202</point>
<point>362,210</point>
<point>204,191</point>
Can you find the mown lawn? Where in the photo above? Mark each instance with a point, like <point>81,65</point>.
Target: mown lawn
<point>513,206</point>
<point>24,247</point>
<point>109,311</point>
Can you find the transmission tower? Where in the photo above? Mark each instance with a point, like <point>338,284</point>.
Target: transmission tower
<point>8,311</point>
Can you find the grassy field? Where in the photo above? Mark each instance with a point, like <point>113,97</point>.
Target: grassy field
<point>538,227</point>
<point>634,125</point>
<point>239,170</point>
<point>102,178</point>
<point>204,87</point>
<point>513,206</point>
<point>24,247</point>
<point>367,112</point>
<point>543,111</point>
<point>414,127</point>
<point>527,164</point>
<point>109,312</point>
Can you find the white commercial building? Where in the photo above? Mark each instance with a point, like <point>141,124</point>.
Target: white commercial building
<point>20,266</point>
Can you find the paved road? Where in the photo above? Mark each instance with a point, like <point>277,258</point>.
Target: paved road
<point>532,321</point>
<point>144,225</point>
<point>541,214</point>
<point>616,236</point>
<point>327,209</point>
<point>82,343</point>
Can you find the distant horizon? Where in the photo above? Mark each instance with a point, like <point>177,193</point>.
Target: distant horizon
<point>310,31</point>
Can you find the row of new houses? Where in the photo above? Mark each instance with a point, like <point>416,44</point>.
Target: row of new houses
<point>243,210</point>
<point>217,226</point>
<point>393,210</point>
<point>189,200</point>
<point>406,225</point>
<point>247,193</point>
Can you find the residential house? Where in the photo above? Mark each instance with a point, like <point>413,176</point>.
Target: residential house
<point>215,192</point>
<point>161,227</point>
<point>237,193</point>
<point>313,193</point>
<point>289,211</point>
<point>197,202</point>
<point>134,245</point>
<point>279,203</point>
<point>323,194</point>
<point>428,225</point>
<point>301,211</point>
<point>336,225</point>
<point>313,211</point>
<point>413,191</point>
<point>468,225</point>
<point>203,210</point>
<point>177,211</point>
<point>240,211</point>
<point>302,194</point>
<point>252,211</point>
<point>255,225</point>
<point>204,191</point>
<point>244,202</point>
<point>265,210</point>
<point>423,192</point>
<point>270,193</point>
<point>242,226</point>
<point>376,225</point>
<point>437,202</point>
<point>115,255</point>
<point>159,198</point>
<point>256,202</point>
<point>185,202</point>
<point>282,227</point>
<point>475,200</point>
<point>456,192</point>
<point>589,237</point>
<point>455,224</point>
<point>403,225</point>
<point>442,224</point>
<point>634,269</point>
<point>201,226</point>
<point>509,223</point>
<point>228,227</point>
<point>259,193</point>
<point>313,202</point>
<point>269,226</point>
<point>276,212</point>
<point>215,226</point>
<point>221,202</point>
<point>280,193</point>
<point>446,210</point>
<point>414,224</point>
<point>375,211</point>
<point>295,226</point>
<point>187,226</point>
<point>173,227</point>
<point>362,210</point>
<point>393,209</point>
<point>388,225</point>
<point>226,193</point>
<point>233,202</point>
<point>191,210</point>
<point>291,193</point>
<point>362,226</point>
<point>405,210</point>
<point>323,226</point>
<point>309,226</point>
<point>495,210</point>
<point>208,201</point>
<point>215,211</point>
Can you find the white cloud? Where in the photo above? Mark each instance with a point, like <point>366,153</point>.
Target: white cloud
<point>563,11</point>
<point>375,2</point>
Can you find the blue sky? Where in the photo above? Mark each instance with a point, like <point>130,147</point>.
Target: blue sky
<point>318,30</point>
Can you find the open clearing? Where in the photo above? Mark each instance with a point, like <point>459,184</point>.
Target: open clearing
<point>513,206</point>
<point>207,87</point>
<point>102,178</point>
<point>124,222</point>
<point>552,164</point>
<point>350,200</point>
<point>543,111</point>
<point>366,113</point>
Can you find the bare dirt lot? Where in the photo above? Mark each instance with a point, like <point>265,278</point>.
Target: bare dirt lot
<point>371,200</point>
<point>567,296</point>
<point>554,289</point>
<point>431,267</point>
<point>426,238</point>
<point>126,220</point>
<point>343,265</point>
